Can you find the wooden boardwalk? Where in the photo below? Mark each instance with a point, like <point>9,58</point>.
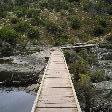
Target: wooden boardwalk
<point>56,93</point>
<point>80,46</point>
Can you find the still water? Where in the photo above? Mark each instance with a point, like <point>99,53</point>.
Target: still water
<point>15,101</point>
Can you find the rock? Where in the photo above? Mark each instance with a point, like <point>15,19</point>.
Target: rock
<point>33,87</point>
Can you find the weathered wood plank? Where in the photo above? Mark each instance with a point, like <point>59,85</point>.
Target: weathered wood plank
<point>56,92</point>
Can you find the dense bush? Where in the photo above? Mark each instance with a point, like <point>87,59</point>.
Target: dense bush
<point>98,76</point>
<point>74,0</point>
<point>103,23</point>
<point>67,20</point>
<point>37,20</point>
<point>22,27</point>
<point>32,13</point>
<point>98,31</point>
<point>7,50</point>
<point>20,2</point>
<point>86,92</point>
<point>53,29</point>
<point>14,20</point>
<point>61,40</point>
<point>58,5</point>
<point>71,56</point>
<point>33,33</point>
<point>109,38</point>
<point>75,22</point>
<point>3,14</point>
<point>20,11</point>
<point>8,34</point>
<point>83,76</point>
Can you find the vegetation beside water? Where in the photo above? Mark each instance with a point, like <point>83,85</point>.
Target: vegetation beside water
<point>86,72</point>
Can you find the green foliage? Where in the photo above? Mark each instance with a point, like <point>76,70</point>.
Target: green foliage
<point>57,4</point>
<point>85,80</point>
<point>7,50</point>
<point>54,29</point>
<point>88,56</point>
<point>86,91</point>
<point>97,6</point>
<point>8,34</point>
<point>61,40</point>
<point>70,56</point>
<point>59,21</point>
<point>36,21</point>
<point>109,9</point>
<point>98,76</point>
<point>67,55</point>
<point>80,63</point>
<point>32,13</point>
<point>21,2</point>
<point>83,75</point>
<point>22,27</point>
<point>75,22</point>
<point>102,21</point>
<point>98,31</point>
<point>33,33</point>
<point>3,14</point>
<point>74,0</point>
<point>109,38</point>
<point>79,67</point>
<point>20,11</point>
<point>14,20</point>
<point>86,4</point>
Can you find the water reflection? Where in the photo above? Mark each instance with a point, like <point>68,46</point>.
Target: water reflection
<point>12,100</point>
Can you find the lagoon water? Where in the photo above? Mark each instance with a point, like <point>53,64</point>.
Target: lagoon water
<point>16,101</point>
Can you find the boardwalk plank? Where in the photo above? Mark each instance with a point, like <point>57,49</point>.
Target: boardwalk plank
<point>57,92</point>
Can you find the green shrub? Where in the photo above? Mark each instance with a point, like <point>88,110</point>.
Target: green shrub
<point>14,20</point>
<point>87,55</point>
<point>32,13</point>
<point>37,21</point>
<point>54,29</point>
<point>75,22</point>
<point>98,31</point>
<point>103,23</point>
<point>109,38</point>
<point>109,9</point>
<point>19,13</point>
<point>85,80</point>
<point>70,56</point>
<point>8,34</point>
<point>101,20</point>
<point>33,33</point>
<point>85,91</point>
<point>79,67</point>
<point>3,14</point>
<point>74,0</point>
<point>61,40</point>
<point>22,27</point>
<point>86,4</point>
<point>20,2</point>
<point>7,50</point>
<point>98,76</point>
<point>57,5</point>
<point>67,55</point>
